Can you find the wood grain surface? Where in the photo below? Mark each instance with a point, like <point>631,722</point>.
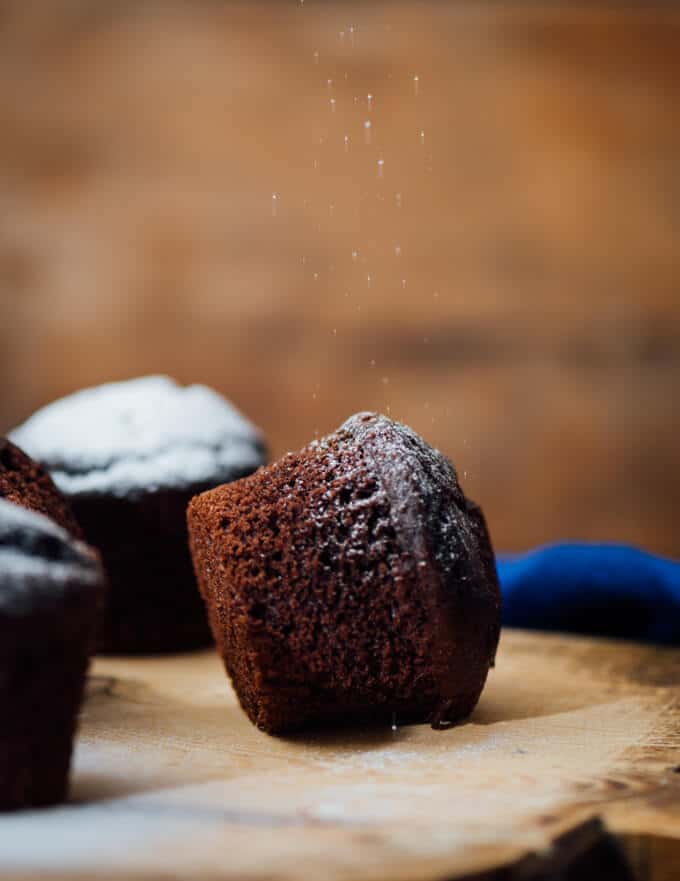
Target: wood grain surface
<point>172,781</point>
<point>508,284</point>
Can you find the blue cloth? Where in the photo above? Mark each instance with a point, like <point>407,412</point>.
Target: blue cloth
<point>611,590</point>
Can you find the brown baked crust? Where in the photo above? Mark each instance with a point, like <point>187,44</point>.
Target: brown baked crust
<point>26,483</point>
<point>349,582</point>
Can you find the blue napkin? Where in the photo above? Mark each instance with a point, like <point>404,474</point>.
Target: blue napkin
<point>610,590</point>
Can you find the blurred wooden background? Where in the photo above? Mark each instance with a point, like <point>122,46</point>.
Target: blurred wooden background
<point>192,188</point>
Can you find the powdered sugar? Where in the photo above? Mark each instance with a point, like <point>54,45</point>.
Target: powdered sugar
<point>40,564</point>
<point>141,435</point>
<point>400,760</point>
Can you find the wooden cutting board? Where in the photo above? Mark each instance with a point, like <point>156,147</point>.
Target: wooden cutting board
<point>172,781</point>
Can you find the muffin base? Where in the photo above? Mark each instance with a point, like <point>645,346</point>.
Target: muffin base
<point>153,604</point>
<point>43,661</point>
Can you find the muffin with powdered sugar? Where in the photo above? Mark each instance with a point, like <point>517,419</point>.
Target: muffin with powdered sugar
<point>129,456</point>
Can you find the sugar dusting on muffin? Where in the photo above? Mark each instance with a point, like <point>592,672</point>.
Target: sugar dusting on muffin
<point>124,437</point>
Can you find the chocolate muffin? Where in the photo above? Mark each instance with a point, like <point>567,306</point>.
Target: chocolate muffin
<point>25,483</point>
<point>129,456</point>
<point>350,581</point>
<point>51,589</point>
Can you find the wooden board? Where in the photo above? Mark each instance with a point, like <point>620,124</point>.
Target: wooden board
<point>171,780</point>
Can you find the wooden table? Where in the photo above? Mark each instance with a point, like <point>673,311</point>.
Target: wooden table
<point>172,781</point>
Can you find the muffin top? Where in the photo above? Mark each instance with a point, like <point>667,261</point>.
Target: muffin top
<point>140,436</point>
<point>28,484</point>
<point>42,567</point>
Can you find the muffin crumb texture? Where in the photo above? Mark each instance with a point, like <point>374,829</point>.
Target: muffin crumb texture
<point>350,581</point>
<point>26,483</point>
